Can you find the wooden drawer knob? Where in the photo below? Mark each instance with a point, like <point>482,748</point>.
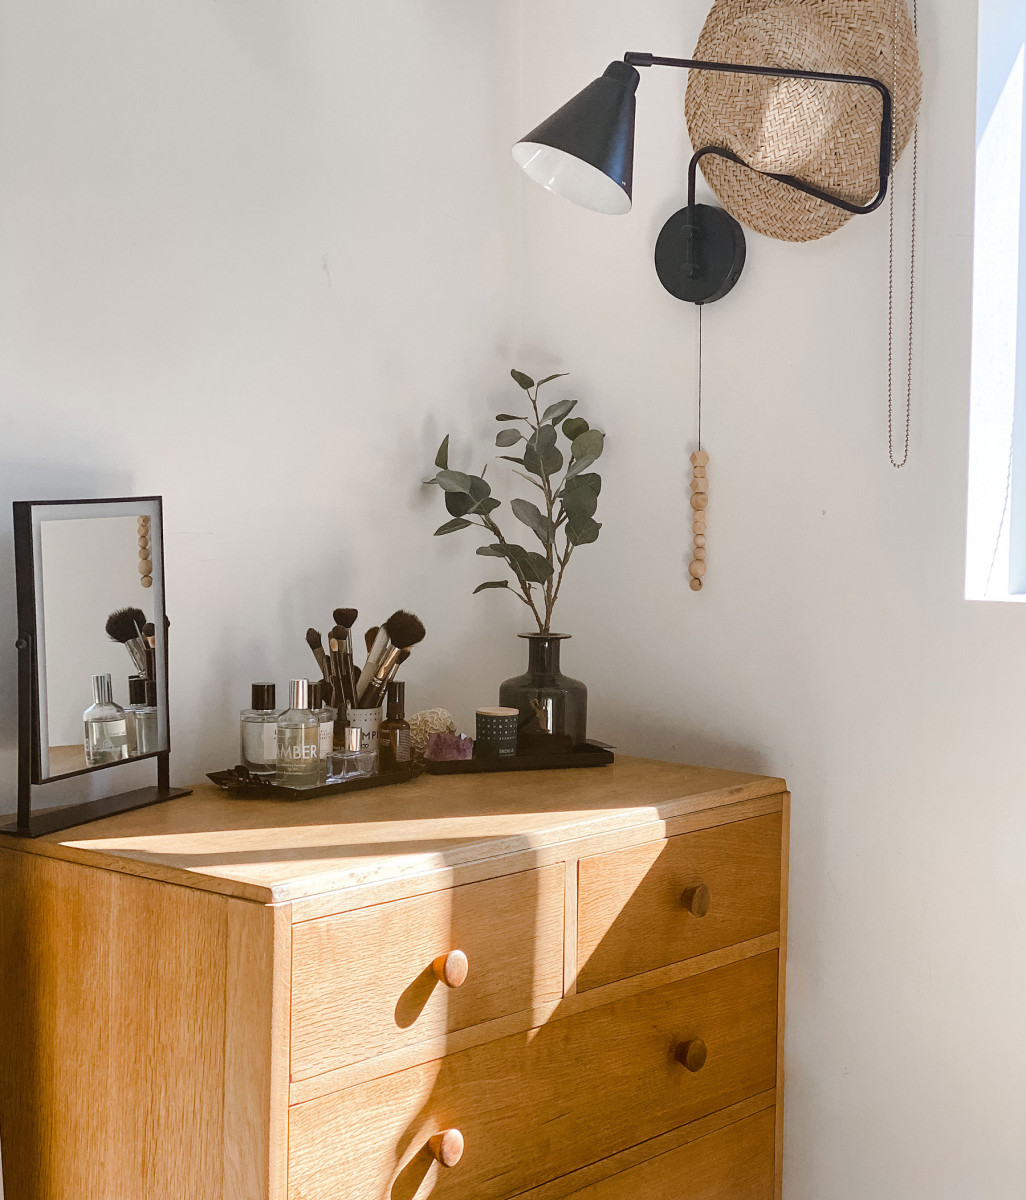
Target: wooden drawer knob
<point>697,900</point>
<point>452,969</point>
<point>692,1055</point>
<point>447,1147</point>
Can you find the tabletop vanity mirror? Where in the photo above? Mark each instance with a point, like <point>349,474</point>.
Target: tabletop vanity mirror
<point>92,654</point>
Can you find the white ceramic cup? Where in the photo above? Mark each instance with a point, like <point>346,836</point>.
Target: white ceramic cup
<point>368,721</point>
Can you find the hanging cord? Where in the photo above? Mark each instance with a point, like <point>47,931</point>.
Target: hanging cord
<point>895,461</point>
<point>700,307</point>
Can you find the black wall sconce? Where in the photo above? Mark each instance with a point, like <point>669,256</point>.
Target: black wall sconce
<point>585,153</point>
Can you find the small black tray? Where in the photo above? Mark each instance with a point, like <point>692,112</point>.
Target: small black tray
<point>590,754</point>
<point>238,782</point>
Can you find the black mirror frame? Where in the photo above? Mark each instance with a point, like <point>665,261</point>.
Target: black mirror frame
<point>36,824</point>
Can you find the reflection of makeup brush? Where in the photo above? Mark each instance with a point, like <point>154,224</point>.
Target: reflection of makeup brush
<point>124,625</point>
<point>345,619</point>
<point>313,640</point>
<point>403,630</point>
<point>149,633</point>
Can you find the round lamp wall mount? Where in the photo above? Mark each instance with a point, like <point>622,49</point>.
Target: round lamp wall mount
<point>585,153</point>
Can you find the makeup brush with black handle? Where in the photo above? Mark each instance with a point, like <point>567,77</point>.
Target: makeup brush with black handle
<point>336,649</point>
<point>403,630</point>
<point>313,640</point>
<point>345,618</point>
<point>125,625</point>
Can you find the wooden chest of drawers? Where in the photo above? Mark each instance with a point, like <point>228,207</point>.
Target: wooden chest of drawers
<point>554,985</point>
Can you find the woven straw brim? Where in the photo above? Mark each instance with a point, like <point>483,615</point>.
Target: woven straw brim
<point>827,134</point>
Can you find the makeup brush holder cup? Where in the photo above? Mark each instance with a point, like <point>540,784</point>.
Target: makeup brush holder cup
<point>368,721</point>
<point>553,707</point>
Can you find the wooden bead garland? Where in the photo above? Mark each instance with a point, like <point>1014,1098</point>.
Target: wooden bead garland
<point>699,503</point>
<point>145,556</point>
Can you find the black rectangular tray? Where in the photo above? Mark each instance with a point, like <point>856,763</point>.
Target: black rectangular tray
<point>590,754</point>
<point>253,789</point>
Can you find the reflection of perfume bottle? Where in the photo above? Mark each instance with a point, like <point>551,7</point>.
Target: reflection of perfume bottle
<point>141,716</point>
<point>106,728</point>
<point>259,731</point>
<point>299,759</point>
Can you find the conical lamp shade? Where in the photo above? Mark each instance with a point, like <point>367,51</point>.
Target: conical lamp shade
<point>585,151</point>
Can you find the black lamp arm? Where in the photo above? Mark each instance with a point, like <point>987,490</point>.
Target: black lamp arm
<point>637,58</point>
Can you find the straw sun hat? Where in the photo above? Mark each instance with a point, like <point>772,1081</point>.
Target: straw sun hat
<point>827,134</point>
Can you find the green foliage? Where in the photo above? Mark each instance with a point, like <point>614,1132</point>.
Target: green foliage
<point>561,520</point>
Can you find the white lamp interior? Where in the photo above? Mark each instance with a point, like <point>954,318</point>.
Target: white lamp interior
<point>572,178</point>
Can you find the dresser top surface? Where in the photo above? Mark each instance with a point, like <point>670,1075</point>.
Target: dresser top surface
<point>274,851</point>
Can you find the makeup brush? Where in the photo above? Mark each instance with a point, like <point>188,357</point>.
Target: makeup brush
<point>336,648</point>
<point>313,640</point>
<point>403,630</point>
<point>374,653</point>
<point>369,637</point>
<point>345,618</point>
<point>149,632</point>
<point>124,625</point>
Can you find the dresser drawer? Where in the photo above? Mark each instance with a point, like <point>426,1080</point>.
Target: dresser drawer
<point>363,981</point>
<point>735,1163</point>
<point>633,913</point>
<point>536,1106</point>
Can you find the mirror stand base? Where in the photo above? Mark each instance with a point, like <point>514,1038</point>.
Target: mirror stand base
<point>51,820</point>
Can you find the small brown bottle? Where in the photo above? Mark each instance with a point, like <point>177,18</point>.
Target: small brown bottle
<point>394,738</point>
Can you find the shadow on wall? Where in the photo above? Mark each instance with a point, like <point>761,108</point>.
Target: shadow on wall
<point>33,481</point>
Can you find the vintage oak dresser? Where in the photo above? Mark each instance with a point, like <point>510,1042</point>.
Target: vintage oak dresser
<point>541,985</point>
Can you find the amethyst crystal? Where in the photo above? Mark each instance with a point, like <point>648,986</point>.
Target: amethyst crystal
<point>449,747</point>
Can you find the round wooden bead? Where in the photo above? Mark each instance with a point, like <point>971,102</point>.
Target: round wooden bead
<point>144,522</point>
<point>699,539</point>
<point>698,472</point>
<point>696,585</point>
<point>699,528</point>
<point>144,541</point>
<point>699,553</point>
<point>699,500</point>
<point>699,485</point>
<point>700,459</point>
<point>147,581</point>
<point>145,567</point>
<point>697,569</point>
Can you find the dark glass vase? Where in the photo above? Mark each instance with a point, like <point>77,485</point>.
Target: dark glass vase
<point>553,707</point>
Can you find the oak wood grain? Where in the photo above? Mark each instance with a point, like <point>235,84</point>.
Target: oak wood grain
<point>631,917</point>
<point>735,1163</point>
<point>276,852</point>
<point>785,854</point>
<point>364,981</point>
<point>531,1108</point>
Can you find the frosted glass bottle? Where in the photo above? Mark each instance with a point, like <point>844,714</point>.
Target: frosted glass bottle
<point>299,757</point>
<point>105,728</point>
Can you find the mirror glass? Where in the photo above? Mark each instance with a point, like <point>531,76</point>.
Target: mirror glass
<point>99,607</point>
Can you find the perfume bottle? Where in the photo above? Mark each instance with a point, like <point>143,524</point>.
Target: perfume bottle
<point>258,731</point>
<point>319,696</point>
<point>298,758</point>
<point>143,721</point>
<point>136,702</point>
<point>394,738</point>
<point>353,760</point>
<point>106,727</point>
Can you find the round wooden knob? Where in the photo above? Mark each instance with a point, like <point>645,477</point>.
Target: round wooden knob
<point>452,969</point>
<point>447,1147</point>
<point>697,900</point>
<point>692,1055</point>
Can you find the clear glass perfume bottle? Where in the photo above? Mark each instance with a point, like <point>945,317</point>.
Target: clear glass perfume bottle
<point>258,731</point>
<point>105,726</point>
<point>299,728</point>
<point>320,694</point>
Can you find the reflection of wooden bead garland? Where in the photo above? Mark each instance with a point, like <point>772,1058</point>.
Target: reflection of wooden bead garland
<point>145,553</point>
<point>699,504</point>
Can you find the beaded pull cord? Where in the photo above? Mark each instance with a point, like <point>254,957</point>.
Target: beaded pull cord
<point>145,554</point>
<point>699,486</point>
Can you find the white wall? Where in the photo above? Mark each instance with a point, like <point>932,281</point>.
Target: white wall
<point>252,259</point>
<point>832,643</point>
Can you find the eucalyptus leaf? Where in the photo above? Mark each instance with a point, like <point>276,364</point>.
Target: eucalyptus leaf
<point>509,437</point>
<point>510,458</point>
<point>534,519</point>
<point>460,502</point>
<point>580,503</point>
<point>525,381</point>
<point>549,378</point>
<point>556,412</point>
<point>453,481</point>
<point>509,417</point>
<point>452,526</point>
<point>486,505</point>
<point>581,532</point>
<point>541,456</point>
<point>575,426</point>
<point>442,457</point>
<point>585,449</point>
<point>497,583</point>
<point>494,551</point>
<point>535,567</point>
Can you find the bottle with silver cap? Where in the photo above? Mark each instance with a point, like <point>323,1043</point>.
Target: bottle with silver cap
<point>105,726</point>
<point>298,757</point>
<point>354,760</point>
